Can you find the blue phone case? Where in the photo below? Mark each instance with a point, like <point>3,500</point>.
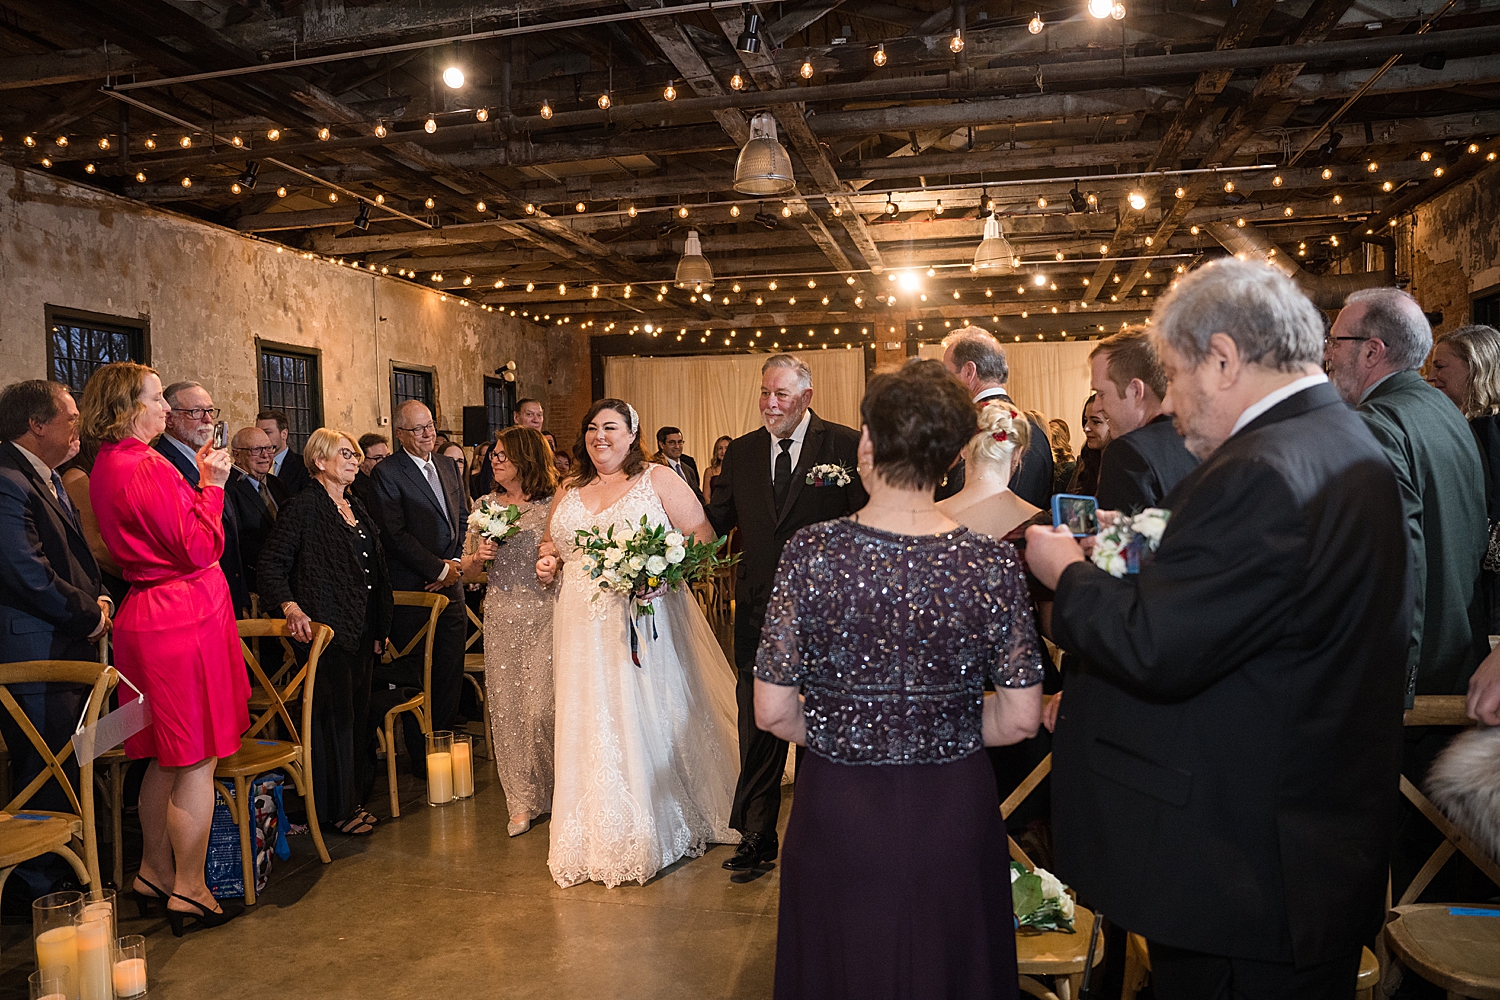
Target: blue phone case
<point>1057,514</point>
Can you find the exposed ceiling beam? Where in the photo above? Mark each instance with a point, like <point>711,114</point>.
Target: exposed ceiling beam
<point>683,54</point>
<point>71,66</point>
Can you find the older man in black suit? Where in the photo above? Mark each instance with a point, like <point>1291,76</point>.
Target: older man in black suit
<point>256,493</point>
<point>764,491</point>
<point>52,600</point>
<point>1226,759</point>
<point>423,510</point>
<point>1145,457</point>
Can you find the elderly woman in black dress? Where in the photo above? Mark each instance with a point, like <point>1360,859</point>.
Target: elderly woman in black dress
<point>895,878</point>
<point>323,563</point>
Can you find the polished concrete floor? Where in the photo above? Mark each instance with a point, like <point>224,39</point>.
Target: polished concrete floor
<point>441,903</point>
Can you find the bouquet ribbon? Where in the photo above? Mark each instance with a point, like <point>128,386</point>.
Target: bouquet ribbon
<point>635,641</point>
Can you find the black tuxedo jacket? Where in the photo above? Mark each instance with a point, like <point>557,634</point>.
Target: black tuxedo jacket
<point>293,475</point>
<point>49,582</point>
<point>416,535</point>
<point>742,497</point>
<point>230,562</point>
<point>1140,468</point>
<point>1032,481</point>
<point>254,518</point>
<point>1227,757</point>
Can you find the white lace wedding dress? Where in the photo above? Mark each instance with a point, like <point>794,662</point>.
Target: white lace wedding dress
<point>646,757</point>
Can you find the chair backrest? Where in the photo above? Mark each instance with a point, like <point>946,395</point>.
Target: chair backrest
<point>101,679</point>
<point>1014,800</point>
<point>435,604</point>
<point>478,624</point>
<point>303,680</point>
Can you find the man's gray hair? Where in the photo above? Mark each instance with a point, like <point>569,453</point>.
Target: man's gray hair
<point>977,345</point>
<point>1397,320</point>
<point>1259,308</point>
<point>171,392</point>
<point>804,373</point>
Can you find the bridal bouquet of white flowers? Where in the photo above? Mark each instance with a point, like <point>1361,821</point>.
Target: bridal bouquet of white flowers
<point>1120,547</point>
<point>828,475</point>
<point>1041,902</point>
<point>495,521</point>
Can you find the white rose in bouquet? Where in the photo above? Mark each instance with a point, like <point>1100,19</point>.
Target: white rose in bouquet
<point>1150,523</point>
<point>675,554</point>
<point>625,536</point>
<point>636,563</point>
<point>673,539</point>
<point>655,565</point>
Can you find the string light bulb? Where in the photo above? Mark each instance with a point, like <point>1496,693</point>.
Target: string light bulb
<point>1181,192</point>
<point>682,211</point>
<point>956,43</point>
<point>480,206</point>
<point>1100,8</point>
<point>669,94</point>
<point>1327,174</point>
<point>187,182</point>
<point>1473,147</point>
<point>324,134</point>
<point>380,199</point>
<point>233,188</point>
<point>430,125</point>
<point>482,114</point>
<point>104,143</point>
<point>333,197</point>
<point>604,101</point>
<point>786,211</point>
<point>273,134</point>
<point>530,208</point>
<point>1036,24</point>
<point>185,142</point>
<point>47,162</point>
<point>1372,166</point>
<point>879,58</point>
<point>468,279</point>
<point>806,71</point>
<point>1277,181</point>
<point>150,143</point>
<point>939,209</point>
<point>140,177</point>
<point>734,211</point>
<point>1338,199</point>
<point>1437,172</point>
<point>1117,12</point>
<point>546,111</point>
<point>88,168</point>
<point>30,142</point>
<point>1137,200</point>
<point>430,203</point>
<point>1387,187</point>
<point>281,192</point>
<point>580,207</point>
<point>1229,187</point>
<point>631,211</point>
<point>1426,156</point>
<point>736,82</point>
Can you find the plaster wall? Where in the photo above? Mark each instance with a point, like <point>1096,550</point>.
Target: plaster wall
<point>209,293</point>
<point>1455,248</point>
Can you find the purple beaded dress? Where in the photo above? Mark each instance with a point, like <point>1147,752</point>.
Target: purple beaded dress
<point>895,875</point>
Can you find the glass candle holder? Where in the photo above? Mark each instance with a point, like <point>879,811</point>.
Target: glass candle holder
<point>463,766</point>
<point>130,967</point>
<point>54,923</point>
<point>96,945</point>
<point>439,767</point>
<point>50,983</point>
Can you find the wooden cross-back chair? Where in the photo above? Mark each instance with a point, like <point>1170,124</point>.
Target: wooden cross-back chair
<point>474,669</point>
<point>257,754</point>
<point>1457,951</point>
<point>419,705</point>
<point>1063,957</point>
<point>25,834</point>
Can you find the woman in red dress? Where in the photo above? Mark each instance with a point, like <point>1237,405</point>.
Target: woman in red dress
<point>175,637</point>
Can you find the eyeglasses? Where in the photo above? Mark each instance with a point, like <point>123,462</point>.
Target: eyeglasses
<point>1330,340</point>
<point>374,459</point>
<point>419,429</point>
<point>199,412</point>
<point>346,454</point>
<point>268,449</point>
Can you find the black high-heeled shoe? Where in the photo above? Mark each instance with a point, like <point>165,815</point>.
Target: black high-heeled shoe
<point>228,910</point>
<point>143,902</point>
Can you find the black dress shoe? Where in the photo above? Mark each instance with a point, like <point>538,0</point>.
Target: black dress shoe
<point>755,849</point>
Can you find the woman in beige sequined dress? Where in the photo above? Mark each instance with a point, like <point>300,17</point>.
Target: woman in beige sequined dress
<point>518,628</point>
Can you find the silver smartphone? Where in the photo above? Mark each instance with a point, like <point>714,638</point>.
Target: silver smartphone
<point>221,434</point>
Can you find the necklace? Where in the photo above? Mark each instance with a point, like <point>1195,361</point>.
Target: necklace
<point>900,510</point>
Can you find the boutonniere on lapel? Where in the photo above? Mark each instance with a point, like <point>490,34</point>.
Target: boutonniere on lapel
<point>828,475</point>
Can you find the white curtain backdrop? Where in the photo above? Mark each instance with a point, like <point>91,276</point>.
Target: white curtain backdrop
<point>711,395</point>
<point>1051,376</point>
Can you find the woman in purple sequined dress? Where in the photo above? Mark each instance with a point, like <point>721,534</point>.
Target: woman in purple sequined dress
<point>880,634</point>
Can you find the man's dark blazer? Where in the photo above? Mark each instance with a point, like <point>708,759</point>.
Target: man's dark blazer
<point>689,466</point>
<point>416,534</point>
<point>254,518</point>
<point>1033,480</point>
<point>293,475</point>
<point>1140,468</point>
<point>1226,761</point>
<point>1441,475</point>
<point>230,562</point>
<point>742,497</point>
<point>364,488</point>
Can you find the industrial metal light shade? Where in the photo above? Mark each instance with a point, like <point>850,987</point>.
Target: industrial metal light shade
<point>749,40</point>
<point>693,270</point>
<point>763,167</point>
<point>994,253</point>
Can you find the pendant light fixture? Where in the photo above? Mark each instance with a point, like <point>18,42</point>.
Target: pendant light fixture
<point>994,253</point>
<point>749,40</point>
<point>693,270</point>
<point>763,167</point>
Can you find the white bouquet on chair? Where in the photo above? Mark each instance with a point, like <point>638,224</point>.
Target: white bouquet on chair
<point>495,521</point>
<point>1040,900</point>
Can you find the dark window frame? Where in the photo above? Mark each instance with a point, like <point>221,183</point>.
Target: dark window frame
<point>314,357</point>
<point>508,407</point>
<point>138,327</point>
<point>1484,306</point>
<point>408,368</point>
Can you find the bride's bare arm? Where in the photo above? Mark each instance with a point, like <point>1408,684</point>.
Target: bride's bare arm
<point>548,560</point>
<point>682,507</point>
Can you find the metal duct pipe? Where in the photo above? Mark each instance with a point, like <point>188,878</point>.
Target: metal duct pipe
<point>1327,291</point>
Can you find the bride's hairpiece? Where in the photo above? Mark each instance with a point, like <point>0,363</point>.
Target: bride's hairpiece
<point>635,421</point>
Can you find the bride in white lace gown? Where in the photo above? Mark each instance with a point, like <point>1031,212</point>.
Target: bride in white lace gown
<point>646,756</point>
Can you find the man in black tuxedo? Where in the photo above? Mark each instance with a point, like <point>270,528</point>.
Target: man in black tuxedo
<point>190,426</point>
<point>1145,457</point>
<point>763,490</point>
<point>669,446</point>
<point>423,511</point>
<point>287,464</point>
<point>52,600</point>
<point>977,360</point>
<point>256,493</point>
<point>1226,759</point>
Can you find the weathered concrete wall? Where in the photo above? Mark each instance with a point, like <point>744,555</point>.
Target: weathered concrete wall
<point>209,292</point>
<point>1455,247</point>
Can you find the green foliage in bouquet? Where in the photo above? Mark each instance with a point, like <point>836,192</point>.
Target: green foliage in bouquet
<point>645,561</point>
<point>1039,900</point>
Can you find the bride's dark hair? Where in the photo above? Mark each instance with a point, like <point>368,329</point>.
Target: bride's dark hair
<point>583,464</point>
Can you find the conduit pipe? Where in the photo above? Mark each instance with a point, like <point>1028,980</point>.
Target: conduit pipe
<point>1327,291</point>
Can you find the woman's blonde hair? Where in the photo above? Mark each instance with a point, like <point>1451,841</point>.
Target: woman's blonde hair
<point>323,445</point>
<point>111,401</point>
<point>1003,436</point>
<point>1478,347</point>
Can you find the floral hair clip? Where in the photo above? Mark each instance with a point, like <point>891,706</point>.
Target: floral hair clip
<point>1001,435</point>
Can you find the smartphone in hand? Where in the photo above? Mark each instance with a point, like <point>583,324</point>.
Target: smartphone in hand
<point>1079,513</point>
<point>221,435</point>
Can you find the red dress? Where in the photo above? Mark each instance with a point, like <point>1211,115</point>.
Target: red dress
<point>175,637</point>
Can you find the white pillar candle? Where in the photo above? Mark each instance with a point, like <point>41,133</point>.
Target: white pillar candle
<point>94,947</point>
<point>439,778</point>
<point>463,770</point>
<point>130,977</point>
<point>58,949</point>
